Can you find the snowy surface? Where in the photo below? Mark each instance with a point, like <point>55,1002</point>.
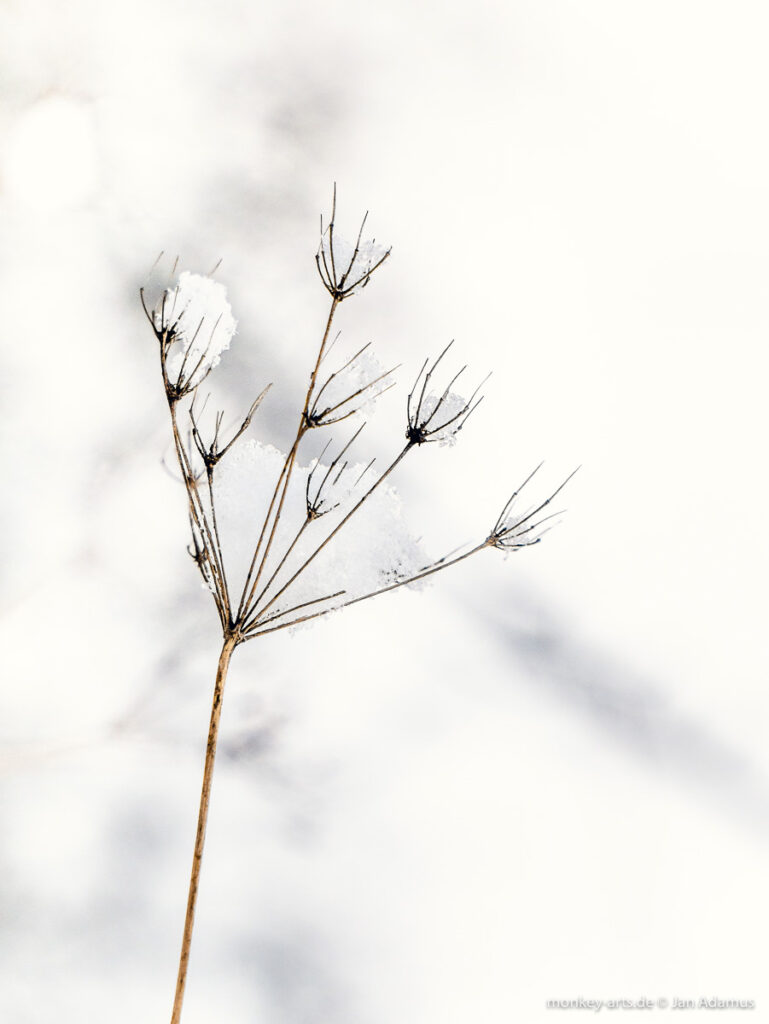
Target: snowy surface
<point>541,777</point>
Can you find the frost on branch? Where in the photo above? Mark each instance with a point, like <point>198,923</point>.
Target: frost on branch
<point>199,324</point>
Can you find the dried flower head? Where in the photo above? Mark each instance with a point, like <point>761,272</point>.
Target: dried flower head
<point>330,487</point>
<point>513,531</point>
<point>350,390</point>
<point>194,324</point>
<point>437,417</point>
<point>345,268</point>
<point>279,542</point>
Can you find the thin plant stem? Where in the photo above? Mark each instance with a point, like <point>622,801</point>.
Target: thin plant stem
<point>249,589</point>
<point>200,836</point>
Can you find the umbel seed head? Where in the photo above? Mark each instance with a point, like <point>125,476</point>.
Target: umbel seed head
<point>345,268</point>
<point>437,417</point>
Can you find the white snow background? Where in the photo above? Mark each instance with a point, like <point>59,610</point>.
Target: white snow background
<point>542,777</point>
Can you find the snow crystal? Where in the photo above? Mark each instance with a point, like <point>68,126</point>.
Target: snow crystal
<point>203,326</point>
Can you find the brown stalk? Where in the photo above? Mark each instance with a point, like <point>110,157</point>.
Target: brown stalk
<point>228,647</point>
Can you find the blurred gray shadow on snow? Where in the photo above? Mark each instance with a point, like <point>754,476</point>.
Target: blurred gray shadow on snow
<point>631,710</point>
<point>296,973</point>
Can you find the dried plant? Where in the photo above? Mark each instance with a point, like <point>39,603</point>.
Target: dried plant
<point>312,551</point>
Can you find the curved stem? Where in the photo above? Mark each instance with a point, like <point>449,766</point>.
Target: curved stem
<point>200,837</point>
